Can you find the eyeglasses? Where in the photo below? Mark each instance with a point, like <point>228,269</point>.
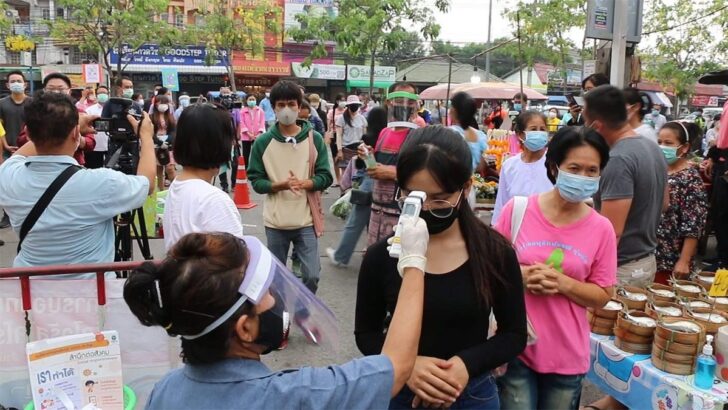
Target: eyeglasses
<point>439,208</point>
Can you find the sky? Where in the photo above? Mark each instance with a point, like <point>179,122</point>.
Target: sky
<point>467,21</point>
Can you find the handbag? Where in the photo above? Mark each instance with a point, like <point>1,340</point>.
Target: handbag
<point>314,197</point>
<point>44,201</point>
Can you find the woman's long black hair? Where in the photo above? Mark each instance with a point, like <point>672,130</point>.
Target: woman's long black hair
<point>464,106</point>
<point>376,122</point>
<point>446,156</point>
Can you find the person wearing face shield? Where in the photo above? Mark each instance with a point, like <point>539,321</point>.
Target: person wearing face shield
<point>402,105</point>
<point>184,102</point>
<point>232,301</point>
<point>471,271</point>
<point>568,258</point>
<point>289,164</point>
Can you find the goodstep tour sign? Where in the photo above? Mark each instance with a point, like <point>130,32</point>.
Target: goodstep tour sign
<point>150,54</point>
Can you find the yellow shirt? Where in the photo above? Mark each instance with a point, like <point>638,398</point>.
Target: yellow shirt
<point>2,130</point>
<point>553,124</point>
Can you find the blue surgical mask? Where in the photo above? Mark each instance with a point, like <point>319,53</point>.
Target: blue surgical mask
<point>517,107</point>
<point>184,102</point>
<point>576,188</point>
<point>655,112</point>
<point>127,92</point>
<point>670,154</point>
<point>536,140</point>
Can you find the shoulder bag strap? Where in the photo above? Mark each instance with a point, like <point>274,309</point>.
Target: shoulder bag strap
<point>520,203</point>
<point>314,197</point>
<point>44,201</point>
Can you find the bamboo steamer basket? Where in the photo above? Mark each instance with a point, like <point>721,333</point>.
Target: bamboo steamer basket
<point>710,327</point>
<point>721,303</point>
<point>705,279</point>
<point>675,358</point>
<point>667,367</point>
<point>632,327</point>
<point>632,304</point>
<point>657,297</point>
<point>626,336</point>
<point>655,314</point>
<point>636,348</point>
<point>695,303</point>
<point>600,325</point>
<point>677,348</point>
<point>605,313</point>
<point>686,293</point>
<point>681,337</point>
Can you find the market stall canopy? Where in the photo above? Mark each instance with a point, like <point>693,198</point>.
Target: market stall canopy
<point>480,91</point>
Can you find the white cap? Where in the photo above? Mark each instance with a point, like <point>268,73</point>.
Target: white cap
<point>708,348</point>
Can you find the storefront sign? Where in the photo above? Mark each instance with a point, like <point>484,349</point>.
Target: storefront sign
<point>151,54</point>
<point>704,101</point>
<point>254,81</point>
<point>91,73</point>
<point>314,8</point>
<point>261,68</point>
<point>381,73</point>
<point>170,79</point>
<point>76,79</point>
<point>202,78</point>
<point>319,71</point>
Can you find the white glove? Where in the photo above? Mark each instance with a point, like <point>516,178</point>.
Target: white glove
<point>164,145</point>
<point>414,239</point>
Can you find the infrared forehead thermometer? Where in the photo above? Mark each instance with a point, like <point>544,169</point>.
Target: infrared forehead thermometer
<point>411,208</point>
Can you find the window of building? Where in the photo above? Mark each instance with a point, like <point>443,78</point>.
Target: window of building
<point>76,56</point>
<point>164,17</point>
<point>46,14</point>
<point>179,20</point>
<point>199,20</point>
<point>12,57</point>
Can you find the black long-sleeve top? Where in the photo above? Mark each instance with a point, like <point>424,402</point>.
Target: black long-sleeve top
<point>454,322</point>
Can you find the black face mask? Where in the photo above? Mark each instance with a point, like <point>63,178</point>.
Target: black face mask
<point>437,225</point>
<point>353,108</point>
<point>274,327</point>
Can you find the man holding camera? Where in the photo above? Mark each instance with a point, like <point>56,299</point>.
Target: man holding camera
<point>47,194</point>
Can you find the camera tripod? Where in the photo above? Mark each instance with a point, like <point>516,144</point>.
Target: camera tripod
<point>125,159</point>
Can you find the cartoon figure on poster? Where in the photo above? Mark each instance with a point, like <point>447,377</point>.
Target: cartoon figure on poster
<point>664,397</point>
<point>616,368</point>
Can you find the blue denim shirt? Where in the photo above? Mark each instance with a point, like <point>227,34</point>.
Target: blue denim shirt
<point>77,226</point>
<point>364,383</point>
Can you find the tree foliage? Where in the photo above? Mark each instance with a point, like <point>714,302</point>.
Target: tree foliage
<point>680,55</point>
<point>236,26</point>
<point>5,23</point>
<point>412,47</point>
<point>503,60</point>
<point>544,30</point>
<point>369,27</point>
<point>103,26</point>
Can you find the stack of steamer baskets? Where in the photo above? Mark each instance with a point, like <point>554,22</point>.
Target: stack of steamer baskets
<point>602,320</point>
<point>634,328</point>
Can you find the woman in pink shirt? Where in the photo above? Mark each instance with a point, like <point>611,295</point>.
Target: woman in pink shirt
<point>568,257</point>
<point>252,124</point>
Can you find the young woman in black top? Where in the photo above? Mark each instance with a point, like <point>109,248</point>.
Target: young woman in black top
<point>471,269</point>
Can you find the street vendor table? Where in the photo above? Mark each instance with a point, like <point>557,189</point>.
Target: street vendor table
<point>636,383</point>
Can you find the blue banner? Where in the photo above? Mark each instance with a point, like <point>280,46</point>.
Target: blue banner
<point>151,54</point>
<point>170,79</point>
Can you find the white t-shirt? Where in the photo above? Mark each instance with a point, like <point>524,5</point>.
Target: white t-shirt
<point>102,138</point>
<point>647,131</point>
<point>194,205</point>
<point>518,178</point>
<point>352,134</point>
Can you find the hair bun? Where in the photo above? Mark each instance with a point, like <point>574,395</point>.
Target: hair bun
<point>142,295</point>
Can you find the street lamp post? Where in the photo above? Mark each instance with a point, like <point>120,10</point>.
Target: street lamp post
<point>475,78</point>
<point>487,55</point>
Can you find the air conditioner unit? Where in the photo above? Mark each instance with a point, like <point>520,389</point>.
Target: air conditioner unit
<point>12,14</point>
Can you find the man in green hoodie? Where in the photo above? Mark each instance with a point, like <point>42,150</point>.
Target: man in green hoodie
<point>290,164</point>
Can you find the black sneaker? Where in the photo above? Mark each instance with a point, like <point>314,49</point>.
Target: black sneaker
<point>5,223</point>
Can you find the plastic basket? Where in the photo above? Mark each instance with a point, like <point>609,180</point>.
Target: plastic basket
<point>130,400</point>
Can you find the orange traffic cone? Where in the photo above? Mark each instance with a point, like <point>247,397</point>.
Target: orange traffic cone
<point>242,193</point>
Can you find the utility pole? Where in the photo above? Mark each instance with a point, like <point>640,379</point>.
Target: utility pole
<point>619,44</point>
<point>487,56</point>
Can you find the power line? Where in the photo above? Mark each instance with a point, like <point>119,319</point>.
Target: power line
<point>687,22</point>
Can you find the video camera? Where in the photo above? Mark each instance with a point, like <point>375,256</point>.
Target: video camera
<point>114,121</point>
<point>230,101</point>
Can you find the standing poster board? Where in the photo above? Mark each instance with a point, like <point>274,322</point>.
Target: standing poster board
<point>76,372</point>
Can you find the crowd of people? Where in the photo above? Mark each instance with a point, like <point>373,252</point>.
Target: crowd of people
<point>611,199</point>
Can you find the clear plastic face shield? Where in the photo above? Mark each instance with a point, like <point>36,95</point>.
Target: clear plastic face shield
<point>293,302</point>
<point>401,107</point>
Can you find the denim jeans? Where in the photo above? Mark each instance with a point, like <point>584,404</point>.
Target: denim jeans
<point>358,220</point>
<point>305,245</point>
<point>480,393</point>
<point>522,388</point>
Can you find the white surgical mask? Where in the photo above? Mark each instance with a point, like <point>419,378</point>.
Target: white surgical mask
<point>184,102</point>
<point>140,101</point>
<point>552,115</point>
<point>127,93</point>
<point>17,88</point>
<point>315,105</point>
<point>287,116</point>
<point>342,104</point>
<point>162,107</point>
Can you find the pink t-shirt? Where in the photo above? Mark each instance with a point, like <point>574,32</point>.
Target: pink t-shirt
<point>586,250</point>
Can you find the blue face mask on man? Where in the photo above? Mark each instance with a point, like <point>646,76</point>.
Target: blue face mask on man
<point>576,188</point>
<point>536,140</point>
<point>517,107</point>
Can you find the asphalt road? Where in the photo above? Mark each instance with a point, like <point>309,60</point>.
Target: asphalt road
<point>337,288</point>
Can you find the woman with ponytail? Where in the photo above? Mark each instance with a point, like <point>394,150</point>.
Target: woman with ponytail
<point>231,302</point>
<point>471,271</point>
<point>462,113</point>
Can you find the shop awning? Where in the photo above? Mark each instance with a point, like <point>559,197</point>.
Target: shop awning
<point>658,97</point>
<point>365,84</point>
